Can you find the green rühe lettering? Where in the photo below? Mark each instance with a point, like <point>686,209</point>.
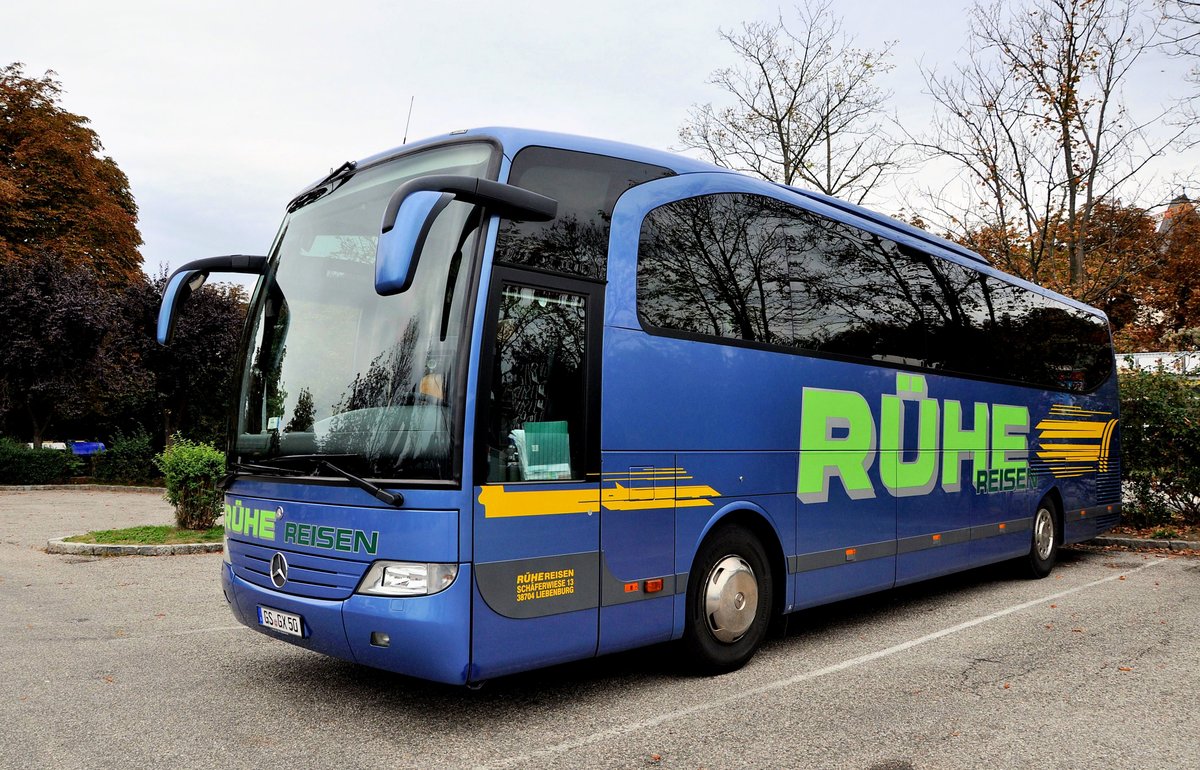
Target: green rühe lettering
<point>840,439</point>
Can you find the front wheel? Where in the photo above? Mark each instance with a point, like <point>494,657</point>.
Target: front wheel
<point>729,600</point>
<point>1043,548</point>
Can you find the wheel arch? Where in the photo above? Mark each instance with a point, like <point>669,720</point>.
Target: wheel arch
<point>1054,496</point>
<point>758,522</point>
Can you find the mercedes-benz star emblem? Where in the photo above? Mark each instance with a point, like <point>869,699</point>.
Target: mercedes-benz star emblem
<point>278,570</point>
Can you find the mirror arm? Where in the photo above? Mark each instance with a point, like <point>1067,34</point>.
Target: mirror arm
<point>502,199</point>
<point>231,263</point>
<point>191,277</point>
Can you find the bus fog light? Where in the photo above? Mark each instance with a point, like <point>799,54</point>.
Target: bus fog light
<point>403,578</point>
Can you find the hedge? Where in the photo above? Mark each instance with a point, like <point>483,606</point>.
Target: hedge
<point>22,465</point>
<point>130,459</point>
<point>1160,448</point>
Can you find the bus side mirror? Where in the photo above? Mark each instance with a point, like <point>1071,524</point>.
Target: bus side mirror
<point>189,278</point>
<point>412,209</point>
<point>401,243</point>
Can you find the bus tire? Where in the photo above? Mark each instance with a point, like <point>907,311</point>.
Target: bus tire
<point>729,600</point>
<point>1043,547</point>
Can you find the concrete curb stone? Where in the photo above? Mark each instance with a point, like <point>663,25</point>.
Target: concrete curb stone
<point>1139,542</point>
<point>79,488</point>
<point>59,545</point>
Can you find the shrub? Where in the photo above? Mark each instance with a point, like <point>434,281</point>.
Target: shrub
<point>130,459</point>
<point>22,465</point>
<point>192,471</point>
<point>1160,448</point>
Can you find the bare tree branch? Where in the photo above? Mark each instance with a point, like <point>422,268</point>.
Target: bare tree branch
<point>805,107</point>
<point>1036,121</point>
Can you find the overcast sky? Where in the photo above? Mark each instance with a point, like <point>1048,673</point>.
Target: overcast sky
<point>219,112</point>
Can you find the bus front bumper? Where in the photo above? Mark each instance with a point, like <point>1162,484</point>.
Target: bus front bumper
<point>426,636</point>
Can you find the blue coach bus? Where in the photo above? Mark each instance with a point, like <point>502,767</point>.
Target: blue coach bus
<point>511,398</point>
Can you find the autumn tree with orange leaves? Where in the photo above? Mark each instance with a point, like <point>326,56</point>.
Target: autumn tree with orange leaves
<point>78,357</point>
<point>1164,299</point>
<point>1035,120</point>
<point>59,193</point>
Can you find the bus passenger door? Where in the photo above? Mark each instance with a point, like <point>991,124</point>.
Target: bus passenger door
<point>537,498</point>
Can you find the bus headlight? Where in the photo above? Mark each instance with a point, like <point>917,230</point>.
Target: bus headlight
<point>406,578</point>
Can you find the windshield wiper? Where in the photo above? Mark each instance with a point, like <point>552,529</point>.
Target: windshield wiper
<point>318,190</point>
<point>318,462</point>
<point>254,469</point>
<point>394,499</point>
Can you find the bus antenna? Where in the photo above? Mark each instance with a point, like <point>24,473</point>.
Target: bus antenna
<point>409,119</point>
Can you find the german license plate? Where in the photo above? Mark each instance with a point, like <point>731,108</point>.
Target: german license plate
<point>283,622</point>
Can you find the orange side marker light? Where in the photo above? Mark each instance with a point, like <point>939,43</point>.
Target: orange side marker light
<point>631,588</point>
<point>851,554</point>
<point>654,586</point>
<point>1002,525</point>
<point>937,538</point>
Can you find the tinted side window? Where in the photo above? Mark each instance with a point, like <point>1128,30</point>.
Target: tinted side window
<point>1001,330</point>
<point>586,187</point>
<point>752,268</point>
<point>1044,342</point>
<point>856,294</point>
<point>717,265</point>
<point>960,337</point>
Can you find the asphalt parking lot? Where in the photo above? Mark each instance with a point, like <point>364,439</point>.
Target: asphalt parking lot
<point>135,661</point>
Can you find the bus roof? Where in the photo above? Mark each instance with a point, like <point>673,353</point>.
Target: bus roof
<point>890,223</point>
<point>513,140</point>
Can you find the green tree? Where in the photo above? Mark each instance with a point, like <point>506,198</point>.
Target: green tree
<point>59,194</point>
<point>1160,447</point>
<point>192,380</point>
<point>304,416</point>
<point>56,322</point>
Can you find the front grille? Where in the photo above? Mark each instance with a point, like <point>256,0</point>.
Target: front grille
<point>315,577</point>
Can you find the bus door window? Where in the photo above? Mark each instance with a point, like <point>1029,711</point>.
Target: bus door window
<point>538,404</point>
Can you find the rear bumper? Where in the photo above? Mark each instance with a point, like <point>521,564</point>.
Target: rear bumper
<point>430,636</point>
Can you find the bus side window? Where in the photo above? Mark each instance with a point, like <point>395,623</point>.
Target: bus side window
<point>538,387</point>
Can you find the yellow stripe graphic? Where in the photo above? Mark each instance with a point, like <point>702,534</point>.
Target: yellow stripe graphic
<point>1070,429</point>
<point>501,502</point>
<point>1075,443</point>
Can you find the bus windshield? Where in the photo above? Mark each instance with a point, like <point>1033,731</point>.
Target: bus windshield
<point>334,369</point>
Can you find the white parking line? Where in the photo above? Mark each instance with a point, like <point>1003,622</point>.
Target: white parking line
<point>623,729</point>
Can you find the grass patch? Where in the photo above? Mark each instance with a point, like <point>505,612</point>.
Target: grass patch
<point>166,534</point>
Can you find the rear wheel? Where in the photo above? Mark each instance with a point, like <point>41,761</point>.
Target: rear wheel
<point>1043,548</point>
<point>729,600</point>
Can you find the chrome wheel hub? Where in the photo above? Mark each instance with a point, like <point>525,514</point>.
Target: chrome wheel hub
<point>730,599</point>
<point>1043,534</point>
